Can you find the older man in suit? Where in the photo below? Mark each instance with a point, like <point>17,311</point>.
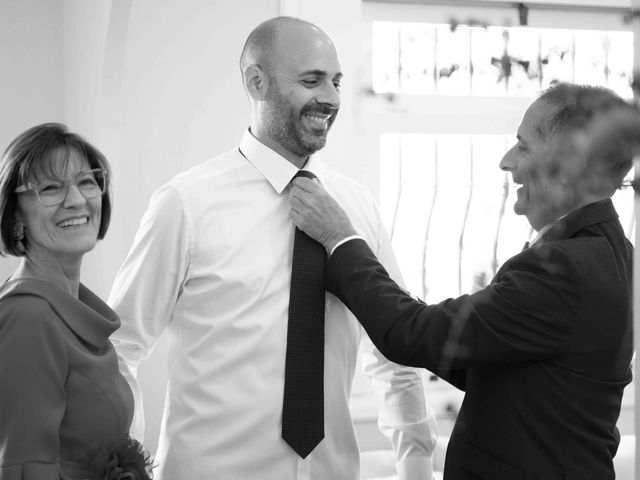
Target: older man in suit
<point>543,353</point>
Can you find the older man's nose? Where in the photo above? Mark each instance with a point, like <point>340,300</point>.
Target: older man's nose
<point>508,163</point>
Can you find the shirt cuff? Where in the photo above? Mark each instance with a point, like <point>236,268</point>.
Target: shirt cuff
<point>345,240</point>
<point>415,468</point>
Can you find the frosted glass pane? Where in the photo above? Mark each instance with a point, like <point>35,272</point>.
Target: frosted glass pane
<point>524,51</point>
<point>390,180</point>
<point>385,61</point>
<point>620,62</point>
<point>484,215</point>
<point>453,54</point>
<point>590,57</point>
<point>556,55</point>
<point>421,58</point>
<point>487,55</point>
<point>441,263</point>
<point>417,58</point>
<point>420,179</point>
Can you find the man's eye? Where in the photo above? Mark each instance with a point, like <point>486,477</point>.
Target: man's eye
<point>310,82</point>
<point>337,86</point>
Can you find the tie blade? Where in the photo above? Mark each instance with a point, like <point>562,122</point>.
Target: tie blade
<point>303,400</point>
<point>302,438</point>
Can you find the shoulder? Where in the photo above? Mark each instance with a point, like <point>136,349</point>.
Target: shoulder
<point>340,182</point>
<point>204,173</point>
<point>549,272</point>
<point>354,197</point>
<point>202,185</point>
<point>29,319</point>
<point>27,307</point>
<point>545,260</point>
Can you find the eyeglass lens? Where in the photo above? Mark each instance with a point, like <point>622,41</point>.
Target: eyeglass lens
<point>52,191</point>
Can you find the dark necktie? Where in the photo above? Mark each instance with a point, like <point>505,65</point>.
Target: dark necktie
<point>303,403</point>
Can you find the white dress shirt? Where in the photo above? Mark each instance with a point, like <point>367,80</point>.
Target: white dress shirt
<point>211,265</point>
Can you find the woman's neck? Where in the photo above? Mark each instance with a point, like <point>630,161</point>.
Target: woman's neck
<point>66,277</point>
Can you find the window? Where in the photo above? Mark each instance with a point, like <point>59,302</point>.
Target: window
<point>452,59</point>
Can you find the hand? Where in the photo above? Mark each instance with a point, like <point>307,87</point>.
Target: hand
<point>317,214</point>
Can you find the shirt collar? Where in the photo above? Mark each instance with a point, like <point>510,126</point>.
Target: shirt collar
<point>541,232</point>
<point>274,167</point>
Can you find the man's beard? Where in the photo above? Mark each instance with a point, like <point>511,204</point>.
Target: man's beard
<point>286,128</point>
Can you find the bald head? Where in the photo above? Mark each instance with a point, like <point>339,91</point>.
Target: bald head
<point>275,38</point>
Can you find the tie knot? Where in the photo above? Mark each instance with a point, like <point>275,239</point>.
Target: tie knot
<point>305,173</point>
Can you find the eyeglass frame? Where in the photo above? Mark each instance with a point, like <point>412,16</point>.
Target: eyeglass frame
<point>32,186</point>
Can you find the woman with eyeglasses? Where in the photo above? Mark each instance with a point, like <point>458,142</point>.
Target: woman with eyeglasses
<point>62,398</point>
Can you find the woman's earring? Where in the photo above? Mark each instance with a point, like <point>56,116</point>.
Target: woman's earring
<point>18,231</point>
<point>18,236</point>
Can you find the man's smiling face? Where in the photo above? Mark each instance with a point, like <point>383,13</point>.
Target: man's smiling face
<point>530,164</point>
<point>303,97</point>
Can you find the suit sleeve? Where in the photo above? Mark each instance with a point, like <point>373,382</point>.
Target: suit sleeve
<point>33,369</point>
<point>528,312</point>
<point>404,415</point>
<point>148,285</point>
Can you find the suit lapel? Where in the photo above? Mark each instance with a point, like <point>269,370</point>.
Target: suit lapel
<point>597,212</point>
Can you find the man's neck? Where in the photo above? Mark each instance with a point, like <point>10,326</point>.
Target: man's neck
<point>297,160</point>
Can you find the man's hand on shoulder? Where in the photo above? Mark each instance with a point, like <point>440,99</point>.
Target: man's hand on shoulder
<point>316,213</point>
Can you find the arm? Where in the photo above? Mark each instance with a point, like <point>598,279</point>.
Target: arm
<point>527,314</point>
<point>33,369</point>
<point>319,215</point>
<point>404,416</point>
<point>148,286</point>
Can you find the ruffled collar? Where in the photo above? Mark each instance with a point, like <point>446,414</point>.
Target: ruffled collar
<point>87,316</point>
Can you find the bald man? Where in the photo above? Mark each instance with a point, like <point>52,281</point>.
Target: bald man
<point>211,266</point>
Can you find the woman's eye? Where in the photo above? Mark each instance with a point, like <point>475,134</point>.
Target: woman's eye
<point>87,182</point>
<point>50,188</point>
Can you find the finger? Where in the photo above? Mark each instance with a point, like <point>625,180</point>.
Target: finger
<point>295,204</point>
<point>296,218</point>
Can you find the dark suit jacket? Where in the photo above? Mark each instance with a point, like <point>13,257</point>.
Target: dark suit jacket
<point>543,353</point>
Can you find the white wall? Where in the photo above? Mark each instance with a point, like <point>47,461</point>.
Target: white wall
<point>31,82</point>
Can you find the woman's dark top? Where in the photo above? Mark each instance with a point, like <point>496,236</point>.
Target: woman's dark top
<point>61,393</point>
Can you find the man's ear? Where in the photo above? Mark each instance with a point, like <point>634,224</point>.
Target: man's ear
<point>256,82</point>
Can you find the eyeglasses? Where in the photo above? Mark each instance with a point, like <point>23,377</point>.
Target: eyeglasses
<point>53,191</point>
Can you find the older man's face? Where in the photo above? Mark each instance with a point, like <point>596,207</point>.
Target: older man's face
<point>535,167</point>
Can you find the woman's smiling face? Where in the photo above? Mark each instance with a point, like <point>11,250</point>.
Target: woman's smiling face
<point>65,231</point>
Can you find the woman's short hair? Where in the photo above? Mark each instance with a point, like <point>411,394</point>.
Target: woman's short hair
<point>33,149</point>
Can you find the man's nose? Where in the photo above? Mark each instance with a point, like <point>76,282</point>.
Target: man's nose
<point>508,163</point>
<point>330,96</point>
